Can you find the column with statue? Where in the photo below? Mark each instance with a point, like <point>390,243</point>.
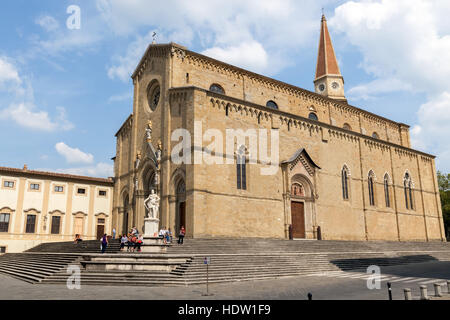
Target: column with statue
<point>152,203</point>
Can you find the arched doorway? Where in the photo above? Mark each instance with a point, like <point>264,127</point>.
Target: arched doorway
<point>126,201</point>
<point>181,205</point>
<point>301,195</point>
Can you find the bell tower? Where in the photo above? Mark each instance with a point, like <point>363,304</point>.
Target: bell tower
<point>329,81</point>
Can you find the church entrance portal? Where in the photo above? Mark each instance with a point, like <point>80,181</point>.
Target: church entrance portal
<point>298,219</point>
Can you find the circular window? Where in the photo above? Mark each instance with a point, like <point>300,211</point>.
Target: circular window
<point>321,87</point>
<point>153,95</point>
<point>335,85</point>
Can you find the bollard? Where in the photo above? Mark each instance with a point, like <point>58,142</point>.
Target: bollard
<point>309,296</point>
<point>407,294</point>
<point>389,290</point>
<point>423,292</point>
<point>437,290</point>
<point>448,286</point>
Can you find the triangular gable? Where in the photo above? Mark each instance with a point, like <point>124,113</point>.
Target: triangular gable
<point>301,155</point>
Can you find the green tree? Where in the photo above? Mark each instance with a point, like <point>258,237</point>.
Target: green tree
<point>444,190</point>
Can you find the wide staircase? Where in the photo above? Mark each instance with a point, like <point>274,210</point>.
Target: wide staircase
<point>35,267</point>
<point>86,246</point>
<point>231,260</point>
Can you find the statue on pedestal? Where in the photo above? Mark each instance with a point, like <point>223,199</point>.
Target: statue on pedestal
<point>148,131</point>
<point>152,205</point>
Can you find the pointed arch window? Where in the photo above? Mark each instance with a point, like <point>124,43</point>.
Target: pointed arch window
<point>345,180</point>
<point>407,186</point>
<point>371,188</point>
<point>241,169</point>
<point>313,116</point>
<point>387,197</point>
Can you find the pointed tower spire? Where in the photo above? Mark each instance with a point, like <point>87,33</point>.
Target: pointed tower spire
<point>329,81</point>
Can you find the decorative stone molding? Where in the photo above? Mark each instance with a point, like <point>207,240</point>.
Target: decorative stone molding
<point>31,209</point>
<point>80,212</point>
<point>56,212</point>
<point>101,214</point>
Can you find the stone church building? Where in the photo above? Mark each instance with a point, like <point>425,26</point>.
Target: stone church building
<point>343,173</point>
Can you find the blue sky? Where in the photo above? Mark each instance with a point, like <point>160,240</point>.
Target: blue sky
<point>64,93</point>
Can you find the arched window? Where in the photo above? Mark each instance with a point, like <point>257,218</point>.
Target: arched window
<point>375,135</point>
<point>181,187</point>
<point>216,88</point>
<point>344,176</point>
<point>297,190</point>
<point>271,104</point>
<point>313,116</point>
<point>241,170</point>
<point>371,188</point>
<point>347,126</point>
<point>386,191</point>
<point>407,185</point>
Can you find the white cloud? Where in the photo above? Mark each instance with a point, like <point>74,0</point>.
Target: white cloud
<point>26,115</point>
<point>48,23</point>
<point>250,56</point>
<point>101,170</point>
<point>73,155</point>
<point>376,87</point>
<point>406,47</point>
<point>232,30</point>
<point>8,72</point>
<point>22,109</point>
<point>126,64</point>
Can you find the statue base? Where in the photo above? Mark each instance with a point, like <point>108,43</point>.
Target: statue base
<point>151,226</point>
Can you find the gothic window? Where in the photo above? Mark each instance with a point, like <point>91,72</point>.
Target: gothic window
<point>181,188</point>
<point>241,170</point>
<point>386,191</point>
<point>347,126</point>
<point>371,188</point>
<point>375,135</point>
<point>344,176</point>
<point>297,190</point>
<point>216,88</point>
<point>313,116</point>
<point>407,185</point>
<point>271,104</point>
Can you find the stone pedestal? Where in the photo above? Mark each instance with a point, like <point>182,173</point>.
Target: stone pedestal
<point>151,226</point>
<point>154,245</point>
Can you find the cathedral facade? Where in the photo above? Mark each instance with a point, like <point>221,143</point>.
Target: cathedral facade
<point>340,173</point>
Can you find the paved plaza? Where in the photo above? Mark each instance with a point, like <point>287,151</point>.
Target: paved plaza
<point>333,286</point>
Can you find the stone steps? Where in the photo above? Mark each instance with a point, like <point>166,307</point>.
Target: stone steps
<point>34,267</point>
<point>231,260</point>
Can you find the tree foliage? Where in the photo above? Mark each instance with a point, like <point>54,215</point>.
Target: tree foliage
<point>444,190</point>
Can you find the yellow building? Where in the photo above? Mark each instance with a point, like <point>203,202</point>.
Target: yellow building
<point>343,173</point>
<point>38,207</point>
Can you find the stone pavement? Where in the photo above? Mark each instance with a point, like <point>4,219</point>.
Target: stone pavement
<point>289,288</point>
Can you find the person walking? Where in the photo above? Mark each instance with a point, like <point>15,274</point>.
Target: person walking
<point>104,243</point>
<point>123,242</point>
<point>114,233</point>
<point>181,235</point>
